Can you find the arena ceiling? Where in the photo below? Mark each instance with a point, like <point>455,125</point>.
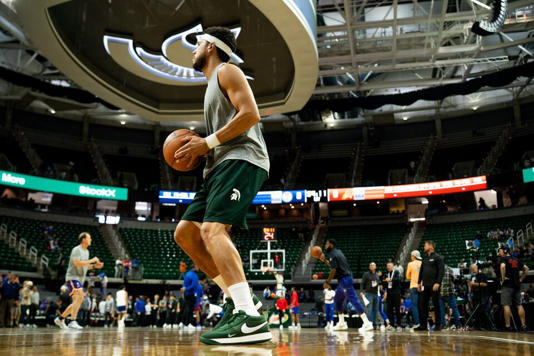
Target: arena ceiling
<point>365,48</point>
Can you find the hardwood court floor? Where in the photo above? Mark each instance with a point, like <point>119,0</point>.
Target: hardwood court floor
<point>307,342</point>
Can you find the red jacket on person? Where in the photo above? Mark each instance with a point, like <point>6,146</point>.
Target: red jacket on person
<point>281,304</point>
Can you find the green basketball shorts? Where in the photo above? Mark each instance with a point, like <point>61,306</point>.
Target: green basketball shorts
<point>227,194</point>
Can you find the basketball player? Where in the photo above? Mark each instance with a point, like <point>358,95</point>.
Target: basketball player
<point>122,303</point>
<point>339,268</point>
<point>280,289</point>
<point>79,263</point>
<point>237,164</point>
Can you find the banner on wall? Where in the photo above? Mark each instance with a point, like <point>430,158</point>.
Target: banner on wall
<point>62,187</point>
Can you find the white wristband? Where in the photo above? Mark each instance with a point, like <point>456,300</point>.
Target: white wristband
<point>212,141</point>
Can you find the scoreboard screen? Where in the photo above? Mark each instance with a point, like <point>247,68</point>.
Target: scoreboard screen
<point>268,233</point>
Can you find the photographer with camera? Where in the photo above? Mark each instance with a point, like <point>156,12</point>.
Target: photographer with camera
<point>478,287</point>
<point>511,286</point>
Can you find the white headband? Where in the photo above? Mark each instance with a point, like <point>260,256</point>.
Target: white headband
<point>218,43</point>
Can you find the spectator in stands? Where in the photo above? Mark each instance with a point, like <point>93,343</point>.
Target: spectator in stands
<point>430,278</point>
<point>34,305</point>
<point>369,285</point>
<point>511,280</point>
<point>302,294</point>
<point>412,273</point>
<point>134,266</point>
<point>476,243</point>
<point>10,296</point>
<point>118,268</point>
<point>447,296</point>
<point>139,311</point>
<point>482,204</point>
<point>478,287</point>
<point>393,293</point>
<point>189,289</point>
<point>267,292</point>
<point>462,264</point>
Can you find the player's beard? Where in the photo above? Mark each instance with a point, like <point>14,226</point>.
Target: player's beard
<point>199,63</point>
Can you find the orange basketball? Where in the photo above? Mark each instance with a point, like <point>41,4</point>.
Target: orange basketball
<point>316,252</point>
<point>172,143</point>
<point>315,276</point>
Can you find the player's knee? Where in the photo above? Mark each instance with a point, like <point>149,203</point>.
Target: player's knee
<point>209,231</point>
<point>181,236</point>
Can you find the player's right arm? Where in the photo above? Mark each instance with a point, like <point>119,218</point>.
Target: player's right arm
<point>78,263</point>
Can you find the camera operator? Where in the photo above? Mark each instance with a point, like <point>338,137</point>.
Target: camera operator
<point>511,286</point>
<point>478,285</point>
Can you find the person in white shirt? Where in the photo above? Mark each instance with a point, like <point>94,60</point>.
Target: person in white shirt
<point>329,295</point>
<point>34,306</point>
<point>122,303</point>
<point>25,303</point>
<point>148,310</point>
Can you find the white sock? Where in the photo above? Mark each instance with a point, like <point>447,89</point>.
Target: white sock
<point>220,282</point>
<point>341,318</point>
<point>240,293</point>
<point>364,318</point>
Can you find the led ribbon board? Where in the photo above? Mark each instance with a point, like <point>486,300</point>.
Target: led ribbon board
<point>266,197</point>
<point>280,197</point>
<point>528,175</point>
<point>62,187</point>
<point>408,190</point>
<point>172,197</point>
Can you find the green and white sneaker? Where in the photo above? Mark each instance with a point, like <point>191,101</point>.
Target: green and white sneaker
<point>228,309</point>
<point>239,329</point>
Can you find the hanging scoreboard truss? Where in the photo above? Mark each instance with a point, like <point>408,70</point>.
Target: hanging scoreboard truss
<point>495,22</point>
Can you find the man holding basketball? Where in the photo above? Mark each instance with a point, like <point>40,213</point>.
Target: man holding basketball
<point>79,263</point>
<point>339,268</point>
<point>237,164</point>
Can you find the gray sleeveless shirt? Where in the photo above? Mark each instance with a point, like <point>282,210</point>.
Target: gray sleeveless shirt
<point>218,111</point>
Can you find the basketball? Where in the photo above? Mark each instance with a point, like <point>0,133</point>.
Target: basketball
<point>315,276</point>
<point>172,143</point>
<point>273,295</point>
<point>316,252</point>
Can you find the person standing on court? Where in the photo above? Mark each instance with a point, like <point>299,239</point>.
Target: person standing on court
<point>412,273</point>
<point>430,278</point>
<point>511,279</point>
<point>79,263</point>
<point>393,295</point>
<point>294,310</point>
<point>369,285</point>
<point>237,165</point>
<point>189,289</point>
<point>339,268</point>
<point>478,286</point>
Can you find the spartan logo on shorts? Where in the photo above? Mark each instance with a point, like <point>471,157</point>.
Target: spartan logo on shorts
<point>236,195</point>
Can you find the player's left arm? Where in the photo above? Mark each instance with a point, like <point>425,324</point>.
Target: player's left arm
<point>234,84</point>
